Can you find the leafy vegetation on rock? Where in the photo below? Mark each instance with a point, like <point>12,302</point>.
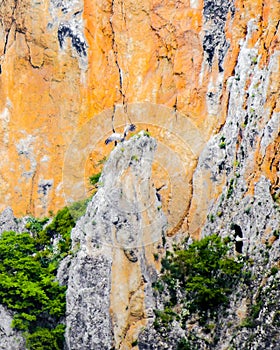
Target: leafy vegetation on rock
<point>93,179</point>
<point>28,286</point>
<point>196,280</point>
<point>28,265</point>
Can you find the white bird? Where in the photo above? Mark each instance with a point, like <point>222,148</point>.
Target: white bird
<point>114,137</point>
<point>120,137</point>
<point>128,128</point>
<point>240,239</point>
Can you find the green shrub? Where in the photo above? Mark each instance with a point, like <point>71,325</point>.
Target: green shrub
<point>135,158</point>
<point>61,226</point>
<point>230,188</point>
<point>222,143</point>
<point>78,209</point>
<point>156,256</point>
<point>94,179</point>
<point>247,323</point>
<point>184,344</point>
<point>273,270</point>
<point>203,273</point>
<point>27,286</point>
<point>211,217</point>
<point>36,225</point>
<point>28,264</point>
<point>134,343</point>
<point>45,339</point>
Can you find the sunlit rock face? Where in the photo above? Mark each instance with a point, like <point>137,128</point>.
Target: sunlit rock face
<point>10,339</point>
<point>118,244</point>
<point>203,77</point>
<point>64,62</point>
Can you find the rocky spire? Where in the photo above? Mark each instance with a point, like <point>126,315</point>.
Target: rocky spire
<point>109,287</point>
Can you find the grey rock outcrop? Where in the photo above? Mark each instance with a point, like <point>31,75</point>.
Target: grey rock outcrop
<point>240,200</point>
<point>7,221</point>
<point>111,273</point>
<point>9,338</point>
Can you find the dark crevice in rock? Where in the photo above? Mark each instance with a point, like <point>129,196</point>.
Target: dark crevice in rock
<point>31,201</point>
<point>44,187</point>
<point>30,58</point>
<point>131,255</point>
<point>214,42</point>
<point>115,51</point>
<point>7,40</point>
<point>64,31</point>
<point>8,31</point>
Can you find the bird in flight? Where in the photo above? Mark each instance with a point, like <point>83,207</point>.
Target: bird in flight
<point>120,137</point>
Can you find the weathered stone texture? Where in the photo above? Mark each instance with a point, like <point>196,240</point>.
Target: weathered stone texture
<point>217,63</point>
<point>10,339</point>
<point>62,62</point>
<point>109,286</point>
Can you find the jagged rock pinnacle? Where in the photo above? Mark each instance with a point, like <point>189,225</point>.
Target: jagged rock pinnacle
<point>109,279</point>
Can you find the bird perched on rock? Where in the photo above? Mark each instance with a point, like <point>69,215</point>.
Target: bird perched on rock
<point>114,137</point>
<point>128,128</point>
<point>120,137</point>
<point>239,243</point>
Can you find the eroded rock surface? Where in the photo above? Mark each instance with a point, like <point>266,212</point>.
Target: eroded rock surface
<point>109,288</point>
<point>10,339</point>
<point>63,62</point>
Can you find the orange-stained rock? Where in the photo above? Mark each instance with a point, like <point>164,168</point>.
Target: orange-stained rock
<point>135,54</point>
<point>150,51</point>
<point>149,63</point>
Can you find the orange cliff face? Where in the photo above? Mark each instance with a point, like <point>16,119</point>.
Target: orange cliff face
<point>40,99</point>
<point>64,64</point>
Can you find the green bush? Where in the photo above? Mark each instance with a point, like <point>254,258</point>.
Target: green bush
<point>184,345</point>
<point>203,273</point>
<point>93,179</point>
<point>62,225</point>
<point>36,225</point>
<point>78,209</point>
<point>274,270</point>
<point>230,188</point>
<point>45,339</point>
<point>27,286</point>
<point>222,143</point>
<point>28,264</point>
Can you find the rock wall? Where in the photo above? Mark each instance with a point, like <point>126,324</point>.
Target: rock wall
<point>10,339</point>
<point>247,146</point>
<point>63,62</point>
<point>203,77</point>
<point>118,244</point>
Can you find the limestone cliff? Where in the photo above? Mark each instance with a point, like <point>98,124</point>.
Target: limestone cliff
<point>118,243</point>
<point>204,78</point>
<point>10,339</point>
<point>64,62</point>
